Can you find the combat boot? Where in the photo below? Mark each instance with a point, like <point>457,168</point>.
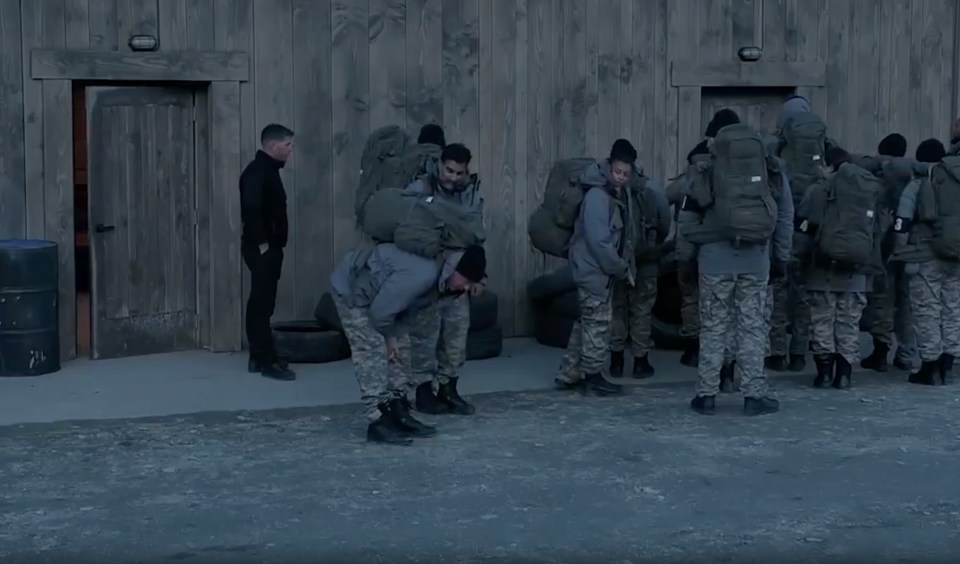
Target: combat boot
<point>616,364</point>
<point>925,376</point>
<point>704,405</point>
<point>727,372</point>
<point>427,402</point>
<point>843,377</point>
<point>760,406</point>
<point>946,369</point>
<point>384,430</point>
<point>824,364</point>
<point>598,385</point>
<point>878,358</point>
<point>798,363</point>
<point>448,394</point>
<point>776,363</point>
<point>404,421</point>
<point>691,354</point>
<point>642,367</point>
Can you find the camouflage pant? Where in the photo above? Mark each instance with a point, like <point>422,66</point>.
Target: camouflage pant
<point>380,382</point>
<point>835,323</point>
<point>589,344</point>
<point>935,295</point>
<point>452,345</point>
<point>689,309</point>
<point>631,315</point>
<point>733,310</point>
<point>778,293</point>
<point>891,314</point>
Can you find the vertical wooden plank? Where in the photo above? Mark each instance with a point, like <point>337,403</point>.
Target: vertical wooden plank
<point>136,17</point>
<point>200,20</point>
<point>689,126</point>
<point>203,204</point>
<point>708,15</point>
<point>866,23</point>
<point>424,63</point>
<point>388,85</point>
<point>933,79</point>
<point>31,25</point>
<point>885,35</point>
<point>774,30</point>
<point>837,68</point>
<point>522,206</point>
<point>102,20</point>
<point>172,24</point>
<point>948,69</point>
<point>955,109</point>
<point>642,96</point>
<point>791,32</point>
<point>273,28</point>
<point>898,70</point>
<point>77,24</point>
<point>609,79</point>
<point>919,114</point>
<point>350,86</point>
<point>626,72</point>
<point>483,161</point>
<point>573,102</point>
<point>679,27</point>
<point>742,28</point>
<point>312,116</point>
<point>13,204</point>
<point>461,63</point>
<point>591,42</point>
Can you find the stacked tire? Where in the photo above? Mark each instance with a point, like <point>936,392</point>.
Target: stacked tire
<point>553,299</point>
<point>312,342</point>
<point>484,339</point>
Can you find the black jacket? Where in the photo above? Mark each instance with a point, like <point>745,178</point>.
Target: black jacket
<point>263,202</point>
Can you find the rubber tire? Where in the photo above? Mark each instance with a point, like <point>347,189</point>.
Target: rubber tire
<point>543,288</point>
<point>326,313</point>
<point>309,342</point>
<point>552,330</point>
<point>565,305</point>
<point>484,311</point>
<point>487,343</point>
<point>666,321</point>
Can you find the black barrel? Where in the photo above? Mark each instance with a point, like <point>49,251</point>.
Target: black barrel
<point>29,308</point>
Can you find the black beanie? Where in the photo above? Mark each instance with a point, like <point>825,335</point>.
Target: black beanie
<point>721,119</point>
<point>930,151</point>
<point>432,133</point>
<point>623,151</point>
<point>893,145</point>
<point>473,264</point>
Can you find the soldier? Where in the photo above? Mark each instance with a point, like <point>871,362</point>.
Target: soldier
<point>449,178</point>
<point>726,227</point>
<point>601,252</point>
<point>632,306</point>
<point>383,293</point>
<point>928,243</point>
<point>835,246</point>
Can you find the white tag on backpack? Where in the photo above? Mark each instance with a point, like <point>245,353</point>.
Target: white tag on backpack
<point>755,178</point>
<point>870,214</point>
<point>816,157</point>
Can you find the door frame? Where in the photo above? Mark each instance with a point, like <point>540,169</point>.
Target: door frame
<point>218,75</point>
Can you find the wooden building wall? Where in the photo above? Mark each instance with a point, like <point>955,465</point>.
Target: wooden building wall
<point>521,82</point>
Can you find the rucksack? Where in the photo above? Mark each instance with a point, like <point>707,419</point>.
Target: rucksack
<point>895,173</point>
<point>938,205</point>
<point>735,190</point>
<point>848,216</point>
<point>413,163</point>
<point>383,145</point>
<point>422,225</point>
<point>550,226</point>
<point>646,234</point>
<point>803,148</point>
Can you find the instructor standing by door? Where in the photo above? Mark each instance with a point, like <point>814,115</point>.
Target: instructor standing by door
<point>263,205</point>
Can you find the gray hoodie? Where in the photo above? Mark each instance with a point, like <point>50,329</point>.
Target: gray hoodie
<point>390,283</point>
<point>466,194</point>
<point>600,238</point>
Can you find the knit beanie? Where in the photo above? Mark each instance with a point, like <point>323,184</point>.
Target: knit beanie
<point>893,145</point>
<point>930,151</point>
<point>721,119</point>
<point>623,151</point>
<point>473,264</point>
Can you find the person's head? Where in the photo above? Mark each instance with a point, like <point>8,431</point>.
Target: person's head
<point>471,269</point>
<point>893,145</point>
<point>454,165</point>
<point>930,151</point>
<point>721,119</point>
<point>833,159</point>
<point>432,133</point>
<point>623,157</point>
<point>277,141</point>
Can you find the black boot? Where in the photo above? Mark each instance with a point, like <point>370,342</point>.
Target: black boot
<point>403,420</point>
<point>253,366</point>
<point>704,405</point>
<point>760,406</point>
<point>798,363</point>
<point>777,363</point>
<point>727,371</point>
<point>385,430</point>
<point>925,376</point>
<point>595,383</point>
<point>642,367</point>
<point>448,394</point>
<point>824,364</point>
<point>427,402</point>
<point>566,385</point>
<point>946,369</point>
<point>616,364</point>
<point>878,358</point>
<point>691,354</point>
<point>276,371</point>
<point>842,380</point>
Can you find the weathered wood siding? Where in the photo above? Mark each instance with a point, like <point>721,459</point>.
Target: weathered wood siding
<point>521,82</point>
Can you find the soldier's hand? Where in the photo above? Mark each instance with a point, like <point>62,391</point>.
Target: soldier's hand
<point>393,350</point>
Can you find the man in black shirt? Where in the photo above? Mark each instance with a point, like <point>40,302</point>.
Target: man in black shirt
<point>263,204</point>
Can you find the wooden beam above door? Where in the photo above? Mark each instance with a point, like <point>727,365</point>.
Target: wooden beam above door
<point>185,66</point>
<point>759,74</point>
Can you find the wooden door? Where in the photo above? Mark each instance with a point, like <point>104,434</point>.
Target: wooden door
<point>142,220</point>
<point>758,107</point>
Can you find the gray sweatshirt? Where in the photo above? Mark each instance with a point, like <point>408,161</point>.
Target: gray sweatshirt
<point>467,194</point>
<point>390,283</point>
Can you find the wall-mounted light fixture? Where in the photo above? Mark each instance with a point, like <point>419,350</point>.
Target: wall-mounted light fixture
<point>143,43</point>
<point>749,54</point>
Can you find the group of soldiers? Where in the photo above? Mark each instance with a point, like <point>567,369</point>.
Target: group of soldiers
<point>761,242</point>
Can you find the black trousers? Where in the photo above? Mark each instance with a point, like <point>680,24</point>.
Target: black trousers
<point>264,275</point>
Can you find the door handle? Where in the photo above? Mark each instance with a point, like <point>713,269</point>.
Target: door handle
<point>101,228</point>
